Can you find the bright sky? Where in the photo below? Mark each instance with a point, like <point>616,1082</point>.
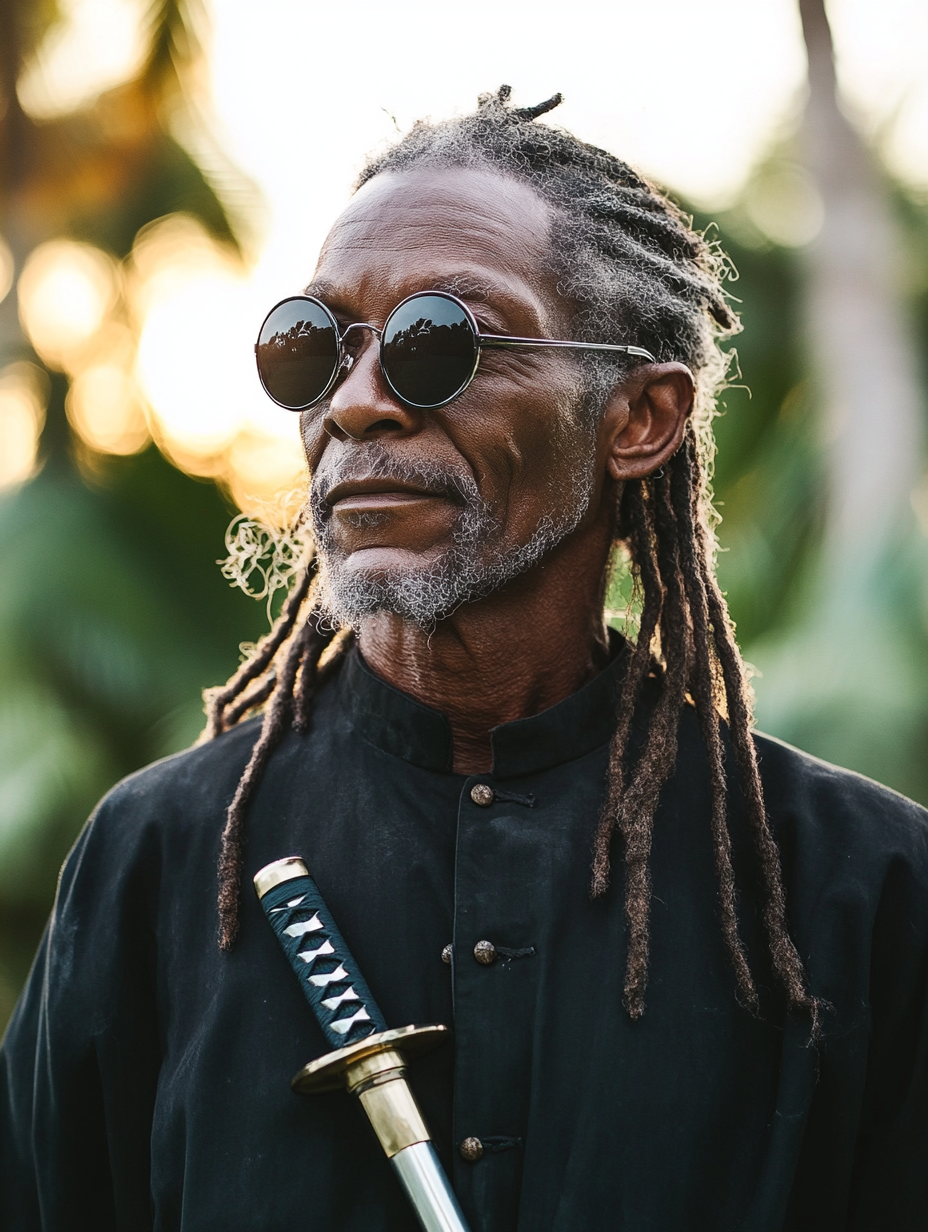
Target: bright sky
<point>689,90</point>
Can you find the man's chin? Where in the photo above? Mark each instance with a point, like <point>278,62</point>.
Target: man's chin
<point>425,588</point>
<point>417,590</point>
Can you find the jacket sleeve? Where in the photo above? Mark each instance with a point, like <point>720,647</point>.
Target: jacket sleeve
<point>19,1207</point>
<point>890,1185</point>
<point>79,1062</point>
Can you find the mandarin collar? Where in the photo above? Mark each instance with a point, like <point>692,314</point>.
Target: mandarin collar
<point>398,724</point>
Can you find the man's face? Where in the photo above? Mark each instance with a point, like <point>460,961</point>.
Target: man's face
<point>416,511</point>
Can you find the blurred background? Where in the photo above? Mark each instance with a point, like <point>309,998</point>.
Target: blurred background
<point>168,170</point>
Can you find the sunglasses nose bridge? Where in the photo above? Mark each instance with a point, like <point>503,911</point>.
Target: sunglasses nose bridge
<point>361,325</point>
<point>347,360</point>
<point>361,405</point>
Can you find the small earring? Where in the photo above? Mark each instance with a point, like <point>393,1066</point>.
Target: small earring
<point>658,474</point>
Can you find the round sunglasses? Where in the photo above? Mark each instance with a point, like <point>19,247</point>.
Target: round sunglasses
<point>429,350</point>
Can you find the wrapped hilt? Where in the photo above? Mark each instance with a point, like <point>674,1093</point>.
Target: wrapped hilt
<point>332,984</point>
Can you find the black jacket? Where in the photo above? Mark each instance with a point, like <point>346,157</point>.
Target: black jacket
<point>145,1076</point>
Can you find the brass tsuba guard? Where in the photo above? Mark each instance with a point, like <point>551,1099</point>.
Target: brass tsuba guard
<point>329,1072</point>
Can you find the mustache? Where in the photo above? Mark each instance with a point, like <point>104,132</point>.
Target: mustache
<point>374,461</point>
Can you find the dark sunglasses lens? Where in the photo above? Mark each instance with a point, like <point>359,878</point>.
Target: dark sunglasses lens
<point>297,352</point>
<point>429,350</point>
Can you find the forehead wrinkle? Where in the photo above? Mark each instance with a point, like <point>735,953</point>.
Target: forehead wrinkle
<point>365,232</point>
<point>469,286</point>
<point>517,258</point>
<point>486,223</point>
<point>484,273</point>
<point>463,283</point>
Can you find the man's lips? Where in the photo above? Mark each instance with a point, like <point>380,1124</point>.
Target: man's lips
<point>375,493</point>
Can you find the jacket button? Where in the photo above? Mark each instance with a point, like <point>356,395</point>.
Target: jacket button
<point>471,1149</point>
<point>485,954</point>
<point>482,795</point>
<point>446,953</point>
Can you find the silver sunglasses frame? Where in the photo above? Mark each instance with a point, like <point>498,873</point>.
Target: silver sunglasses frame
<point>500,342</point>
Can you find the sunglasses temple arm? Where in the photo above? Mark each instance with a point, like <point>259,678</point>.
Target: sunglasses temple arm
<point>503,342</point>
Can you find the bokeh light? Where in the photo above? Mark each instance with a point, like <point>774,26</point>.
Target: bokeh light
<point>189,363</point>
<point>106,410</point>
<point>96,44</point>
<point>196,311</point>
<point>65,293</point>
<point>23,396</point>
<point>267,474</point>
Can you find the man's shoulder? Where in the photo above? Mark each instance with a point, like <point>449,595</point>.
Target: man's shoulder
<point>162,821</point>
<point>191,776</point>
<point>825,800</point>
<point>175,796</point>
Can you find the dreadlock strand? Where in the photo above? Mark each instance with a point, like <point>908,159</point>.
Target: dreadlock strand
<point>250,700</point>
<point>336,651</point>
<point>787,964</point>
<point>647,575</point>
<point>231,853</point>
<point>318,637</point>
<point>676,640</point>
<point>683,493</point>
<point>634,814</point>
<point>527,114</point>
<point>217,700</point>
<point>657,759</point>
<point>636,825</point>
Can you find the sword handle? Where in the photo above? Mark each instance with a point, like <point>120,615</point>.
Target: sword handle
<point>336,990</point>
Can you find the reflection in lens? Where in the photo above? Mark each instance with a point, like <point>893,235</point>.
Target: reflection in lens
<point>429,350</point>
<point>297,352</point>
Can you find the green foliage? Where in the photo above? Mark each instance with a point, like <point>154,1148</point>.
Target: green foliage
<point>113,612</point>
<point>844,663</point>
<point>767,485</point>
<point>113,615</point>
<point>170,182</point>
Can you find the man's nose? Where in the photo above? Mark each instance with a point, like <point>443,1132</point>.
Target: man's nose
<point>362,407</point>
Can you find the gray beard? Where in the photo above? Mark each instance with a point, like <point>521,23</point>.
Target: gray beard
<point>472,566</point>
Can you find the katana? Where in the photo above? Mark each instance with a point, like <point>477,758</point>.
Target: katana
<point>369,1059</point>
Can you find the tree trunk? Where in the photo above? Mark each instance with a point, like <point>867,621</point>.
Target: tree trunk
<point>860,347</point>
<point>848,680</point>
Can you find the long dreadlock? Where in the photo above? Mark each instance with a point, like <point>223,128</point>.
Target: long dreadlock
<point>284,671</point>
<point>632,267</point>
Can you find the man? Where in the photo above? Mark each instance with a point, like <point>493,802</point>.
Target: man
<point>525,828</point>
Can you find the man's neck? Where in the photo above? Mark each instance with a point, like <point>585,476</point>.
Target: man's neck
<point>502,658</point>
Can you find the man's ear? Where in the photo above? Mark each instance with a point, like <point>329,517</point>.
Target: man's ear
<point>645,418</point>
